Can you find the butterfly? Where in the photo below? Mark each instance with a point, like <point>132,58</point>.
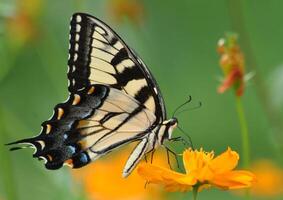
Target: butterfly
<point>113,100</point>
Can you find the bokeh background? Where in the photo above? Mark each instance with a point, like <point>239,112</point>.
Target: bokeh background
<point>177,40</point>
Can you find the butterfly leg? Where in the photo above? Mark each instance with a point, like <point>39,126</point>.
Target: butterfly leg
<point>180,139</point>
<point>152,153</point>
<point>145,158</point>
<point>168,151</point>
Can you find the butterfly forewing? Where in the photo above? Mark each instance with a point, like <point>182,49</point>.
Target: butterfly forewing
<point>99,55</point>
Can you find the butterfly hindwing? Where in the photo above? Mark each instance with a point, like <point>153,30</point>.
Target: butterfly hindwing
<point>91,123</point>
<point>59,138</point>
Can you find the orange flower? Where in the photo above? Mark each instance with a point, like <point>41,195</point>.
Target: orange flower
<point>270,179</point>
<point>132,9</point>
<point>232,64</point>
<point>103,180</point>
<point>202,171</point>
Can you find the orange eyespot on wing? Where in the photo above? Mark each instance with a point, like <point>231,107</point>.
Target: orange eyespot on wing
<point>76,100</point>
<point>69,163</point>
<point>60,113</point>
<point>91,90</point>
<point>48,128</point>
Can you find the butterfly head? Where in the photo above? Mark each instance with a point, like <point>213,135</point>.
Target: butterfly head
<point>170,124</point>
<point>173,122</point>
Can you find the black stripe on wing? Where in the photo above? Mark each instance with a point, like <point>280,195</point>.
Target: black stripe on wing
<point>91,123</point>
<point>79,54</point>
<point>58,142</point>
<point>99,56</point>
<point>119,120</point>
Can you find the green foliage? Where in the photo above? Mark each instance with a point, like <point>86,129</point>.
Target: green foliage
<point>177,40</point>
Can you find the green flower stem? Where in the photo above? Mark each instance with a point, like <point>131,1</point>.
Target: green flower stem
<point>195,192</point>
<point>244,135</point>
<point>239,24</point>
<point>244,132</point>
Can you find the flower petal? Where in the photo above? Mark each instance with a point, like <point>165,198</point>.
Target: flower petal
<point>155,173</point>
<point>189,160</point>
<point>205,174</point>
<point>188,179</point>
<point>173,181</point>
<point>234,179</point>
<point>196,160</point>
<point>225,162</point>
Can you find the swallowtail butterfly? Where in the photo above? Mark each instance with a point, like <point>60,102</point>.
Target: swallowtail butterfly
<point>114,100</point>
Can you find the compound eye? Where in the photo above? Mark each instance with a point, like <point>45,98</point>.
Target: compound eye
<point>174,121</point>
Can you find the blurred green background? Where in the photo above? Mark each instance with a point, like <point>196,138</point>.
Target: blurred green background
<point>177,40</point>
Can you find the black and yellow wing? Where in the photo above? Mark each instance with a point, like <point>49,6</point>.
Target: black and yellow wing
<point>113,100</point>
<point>99,55</point>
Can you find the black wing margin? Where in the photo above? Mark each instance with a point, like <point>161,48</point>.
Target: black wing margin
<point>97,55</point>
<point>59,140</point>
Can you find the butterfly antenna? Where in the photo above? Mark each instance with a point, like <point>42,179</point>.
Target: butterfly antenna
<point>186,102</point>
<point>188,136</point>
<point>189,109</point>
